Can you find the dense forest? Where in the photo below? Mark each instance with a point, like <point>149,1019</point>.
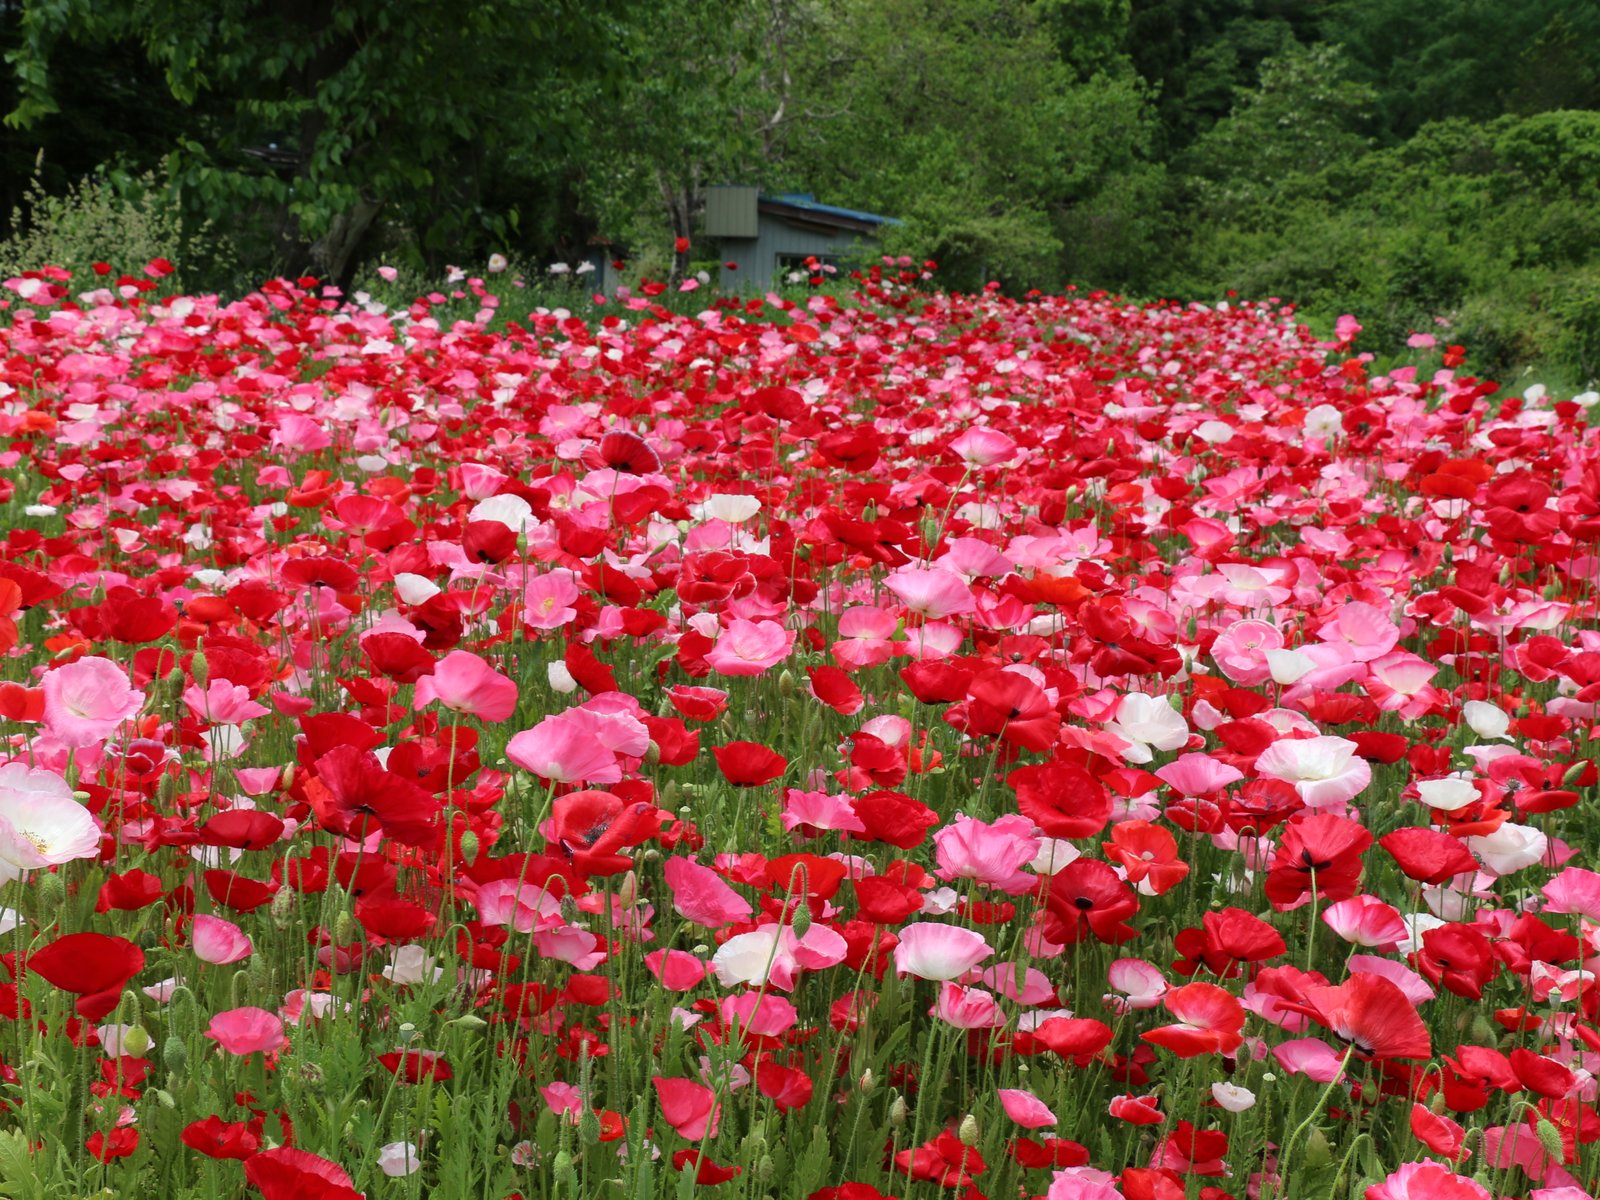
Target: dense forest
<point>1434,167</point>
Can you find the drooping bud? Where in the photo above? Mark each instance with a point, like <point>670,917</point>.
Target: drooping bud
<point>469,846</point>
<point>897,1113</point>
<point>175,1056</point>
<point>1550,1139</point>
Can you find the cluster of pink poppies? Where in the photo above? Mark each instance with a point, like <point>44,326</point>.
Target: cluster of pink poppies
<point>929,744</point>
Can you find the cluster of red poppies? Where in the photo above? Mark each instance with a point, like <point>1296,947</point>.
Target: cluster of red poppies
<point>1049,747</point>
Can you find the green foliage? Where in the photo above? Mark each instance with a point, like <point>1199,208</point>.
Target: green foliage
<point>123,221</point>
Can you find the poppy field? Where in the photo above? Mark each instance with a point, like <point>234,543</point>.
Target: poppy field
<point>909,745</point>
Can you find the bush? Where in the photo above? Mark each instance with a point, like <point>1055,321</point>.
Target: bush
<point>125,221</point>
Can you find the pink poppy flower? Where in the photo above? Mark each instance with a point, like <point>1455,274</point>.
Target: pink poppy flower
<point>563,749</point>
<point>1429,1181</point>
<point>241,1031</point>
<point>463,682</point>
<point>700,895</point>
<point>981,447</point>
<point>548,600</point>
<point>750,647</point>
<point>1198,775</point>
<point>1326,771</point>
<point>218,941</point>
<point>223,702</point>
<point>929,950</point>
<point>865,638</point>
<point>87,701</point>
<point>966,1007</point>
<point>1026,1109</point>
<point>41,823</point>
<point>934,594</point>
<point>992,854</point>
<point>689,1107</point>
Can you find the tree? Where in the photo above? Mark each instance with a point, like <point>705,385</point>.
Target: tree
<point>315,118</point>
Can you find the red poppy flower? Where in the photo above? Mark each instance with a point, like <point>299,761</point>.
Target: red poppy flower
<point>894,819</point>
<point>946,1160</point>
<point>1428,855</point>
<point>1321,851</point>
<point>87,963</point>
<point>352,794</point>
<point>1085,898</point>
<point>1371,1014</point>
<point>216,1138</point>
<point>413,1066</point>
<point>749,764</point>
<point>1062,799</point>
<point>289,1174</point>
<point>591,828</point>
<point>1458,958</point>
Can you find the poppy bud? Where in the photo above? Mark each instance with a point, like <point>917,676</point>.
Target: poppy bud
<point>569,910</point>
<point>967,1131</point>
<point>652,754</point>
<point>136,1042</point>
<point>561,1166</point>
<point>897,1113</point>
<point>1438,1105</point>
<point>199,668</point>
<point>801,921</point>
<point>164,1098</point>
<point>765,1168</point>
<point>282,909</point>
<point>469,1021</point>
<point>1550,1139</point>
<point>1574,773</point>
<point>345,929</point>
<point>260,972</point>
<point>469,846</point>
<point>175,1055</point>
<point>589,1127</point>
<point>866,1083</point>
<point>50,892</point>
<point>628,890</point>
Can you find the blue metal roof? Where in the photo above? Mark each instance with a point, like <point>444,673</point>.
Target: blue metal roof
<point>807,202</point>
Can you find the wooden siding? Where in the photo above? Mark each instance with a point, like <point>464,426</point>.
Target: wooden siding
<point>776,238</point>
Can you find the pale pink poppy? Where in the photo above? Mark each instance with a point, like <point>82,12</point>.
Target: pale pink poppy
<point>1198,775</point>
<point>223,702</point>
<point>981,447</point>
<point>966,1007</point>
<point>1033,987</point>
<point>1365,629</point>
<point>1311,1057</point>
<point>1365,921</point>
<point>563,749</point>
<point>1430,1181</point>
<point>548,600</point>
<point>479,482</point>
<point>41,823</point>
<point>774,955</point>
<point>1326,771</point>
<point>818,811</point>
<point>1414,987</point>
<point>864,638</point>
<point>464,683</point>
<point>218,941</point>
<point>87,701</point>
<point>930,950</point>
<point>750,647</point>
<point>1026,1109</point>
<point>242,1031</point>
<point>1140,984</point>
<point>576,947</point>
<point>763,1016</point>
<point>994,854</point>
<point>932,593</point>
<point>702,896</point>
<point>1148,723</point>
<point>1399,682</point>
<point>1575,890</point>
<point>516,903</point>
<point>1083,1183</point>
<point>1241,651</point>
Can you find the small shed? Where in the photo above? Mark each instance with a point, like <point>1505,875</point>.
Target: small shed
<point>767,237</point>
